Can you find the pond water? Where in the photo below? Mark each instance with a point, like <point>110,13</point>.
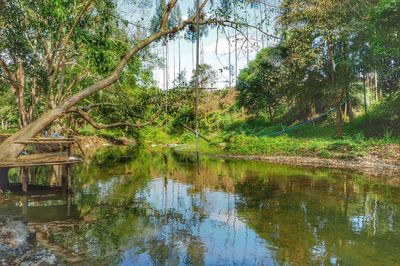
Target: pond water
<point>152,208</point>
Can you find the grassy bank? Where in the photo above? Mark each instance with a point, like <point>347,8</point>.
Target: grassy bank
<point>372,135</point>
<point>348,148</point>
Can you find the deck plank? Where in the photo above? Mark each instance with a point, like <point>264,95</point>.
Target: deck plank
<point>26,142</point>
<point>47,141</point>
<point>41,159</point>
<point>52,139</point>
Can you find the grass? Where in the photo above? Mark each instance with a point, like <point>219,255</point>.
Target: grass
<point>346,148</point>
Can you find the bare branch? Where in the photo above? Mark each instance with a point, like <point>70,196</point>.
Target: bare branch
<point>165,17</point>
<point>235,24</point>
<point>262,2</point>
<point>66,41</point>
<point>93,123</point>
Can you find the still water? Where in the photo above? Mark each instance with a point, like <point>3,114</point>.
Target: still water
<point>151,208</point>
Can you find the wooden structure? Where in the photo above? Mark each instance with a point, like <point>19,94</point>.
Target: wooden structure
<point>47,141</point>
<point>66,159</point>
<point>41,159</point>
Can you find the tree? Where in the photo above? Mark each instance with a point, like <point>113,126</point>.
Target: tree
<point>51,49</point>
<point>260,85</point>
<point>320,39</point>
<point>380,45</point>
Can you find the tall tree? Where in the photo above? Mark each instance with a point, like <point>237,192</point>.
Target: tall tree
<point>319,36</point>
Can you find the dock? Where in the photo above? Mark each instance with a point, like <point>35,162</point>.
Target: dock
<point>25,161</point>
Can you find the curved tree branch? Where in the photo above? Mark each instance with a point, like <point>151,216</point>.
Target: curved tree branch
<point>82,113</point>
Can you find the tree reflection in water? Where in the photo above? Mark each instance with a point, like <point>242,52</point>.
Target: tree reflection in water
<point>153,208</point>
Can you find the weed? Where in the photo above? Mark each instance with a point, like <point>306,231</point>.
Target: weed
<point>387,134</point>
<point>359,137</point>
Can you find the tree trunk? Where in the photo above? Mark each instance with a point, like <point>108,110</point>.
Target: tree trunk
<point>247,39</point>
<point>270,114</point>
<point>262,24</point>
<point>365,97</point>
<point>256,23</point>
<point>236,50</point>
<point>350,111</point>
<point>339,122</point>
<point>229,61</point>
<point>179,55</point>
<point>193,56</point>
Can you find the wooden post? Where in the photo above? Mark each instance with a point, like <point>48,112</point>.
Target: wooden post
<point>70,153</point>
<point>25,178</point>
<point>66,180</point>
<point>69,204</point>
<point>69,177</point>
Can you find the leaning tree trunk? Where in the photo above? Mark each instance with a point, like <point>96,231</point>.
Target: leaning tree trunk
<point>9,149</point>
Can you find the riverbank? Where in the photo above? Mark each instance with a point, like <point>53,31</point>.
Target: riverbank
<point>370,156</point>
<point>376,157</point>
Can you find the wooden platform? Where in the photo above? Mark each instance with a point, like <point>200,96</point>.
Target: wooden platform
<point>47,141</point>
<point>41,159</point>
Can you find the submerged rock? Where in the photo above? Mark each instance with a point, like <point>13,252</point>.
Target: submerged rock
<point>40,257</point>
<point>15,237</point>
<point>18,244</point>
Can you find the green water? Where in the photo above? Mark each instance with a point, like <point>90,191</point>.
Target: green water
<point>153,209</point>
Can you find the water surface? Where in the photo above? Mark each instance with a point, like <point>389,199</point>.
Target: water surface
<point>151,208</point>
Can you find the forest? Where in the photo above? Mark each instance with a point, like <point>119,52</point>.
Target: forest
<point>85,68</point>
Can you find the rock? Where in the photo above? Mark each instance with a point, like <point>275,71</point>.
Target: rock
<point>18,244</point>
<point>15,236</point>
<point>41,257</point>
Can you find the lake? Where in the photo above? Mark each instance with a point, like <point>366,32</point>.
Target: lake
<point>140,207</point>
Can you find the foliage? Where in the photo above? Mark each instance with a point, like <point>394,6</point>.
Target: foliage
<point>261,84</point>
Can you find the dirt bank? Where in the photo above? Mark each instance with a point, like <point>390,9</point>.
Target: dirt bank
<point>370,165</point>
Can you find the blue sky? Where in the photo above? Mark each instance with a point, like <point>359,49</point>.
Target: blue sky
<point>219,61</point>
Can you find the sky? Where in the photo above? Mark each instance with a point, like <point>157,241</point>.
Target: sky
<point>219,60</point>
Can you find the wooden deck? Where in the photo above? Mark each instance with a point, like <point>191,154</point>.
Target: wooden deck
<point>61,158</point>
